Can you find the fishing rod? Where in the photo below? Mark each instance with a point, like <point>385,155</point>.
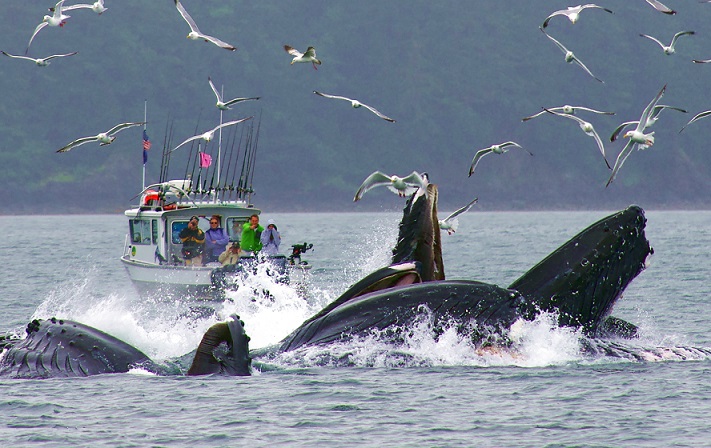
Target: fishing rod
<point>190,155</point>
<point>234,172</point>
<point>247,150</point>
<point>254,155</point>
<point>226,174</point>
<point>164,160</point>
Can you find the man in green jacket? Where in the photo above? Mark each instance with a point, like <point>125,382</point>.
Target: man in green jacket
<point>251,233</point>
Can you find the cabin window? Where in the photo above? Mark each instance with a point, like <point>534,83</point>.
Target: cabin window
<point>175,228</point>
<point>154,231</point>
<point>141,233</point>
<point>234,228</point>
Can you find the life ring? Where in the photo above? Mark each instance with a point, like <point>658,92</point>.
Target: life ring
<point>150,196</point>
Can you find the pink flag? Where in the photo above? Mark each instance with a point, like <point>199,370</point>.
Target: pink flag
<point>205,160</point>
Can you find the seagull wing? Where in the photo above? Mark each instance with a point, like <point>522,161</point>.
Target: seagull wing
<point>626,151</point>
<point>479,154</point>
<point>230,123</point>
<point>37,30</point>
<point>293,51</point>
<point>592,133</point>
<point>415,179</point>
<point>335,97</point>
<point>77,142</point>
<point>533,116</point>
<point>376,112</point>
<point>239,100</point>
<point>648,110</point>
<point>556,13</point>
<point>679,34</point>
<point>19,57</point>
<point>587,109</point>
<point>558,44</point>
<point>580,63</point>
<point>653,39</point>
<point>122,126</point>
<point>698,116</point>
<point>701,61</point>
<point>218,42</point>
<point>191,23</point>
<point>461,210</point>
<point>189,139</point>
<point>310,52</point>
<point>661,7</point>
<point>376,179</point>
<point>60,56</point>
<point>620,128</point>
<point>78,6</point>
<point>217,94</point>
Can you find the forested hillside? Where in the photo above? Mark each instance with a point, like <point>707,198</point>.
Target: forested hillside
<point>457,76</point>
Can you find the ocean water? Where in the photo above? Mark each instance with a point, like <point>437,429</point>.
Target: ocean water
<point>425,393</point>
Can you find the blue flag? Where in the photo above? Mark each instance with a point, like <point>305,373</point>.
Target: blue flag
<point>146,146</point>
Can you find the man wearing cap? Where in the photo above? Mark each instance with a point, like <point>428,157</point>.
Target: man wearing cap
<point>270,239</point>
<point>193,239</point>
<point>230,255</point>
<point>251,231</point>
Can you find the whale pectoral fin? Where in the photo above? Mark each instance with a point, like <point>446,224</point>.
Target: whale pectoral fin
<point>235,361</point>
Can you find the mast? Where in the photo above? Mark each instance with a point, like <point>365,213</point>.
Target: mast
<point>145,112</point>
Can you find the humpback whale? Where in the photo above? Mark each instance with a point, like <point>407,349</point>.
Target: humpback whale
<point>579,283</point>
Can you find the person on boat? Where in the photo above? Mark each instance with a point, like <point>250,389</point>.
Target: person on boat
<point>251,232</point>
<point>193,239</point>
<point>216,240</point>
<point>270,239</point>
<point>231,254</point>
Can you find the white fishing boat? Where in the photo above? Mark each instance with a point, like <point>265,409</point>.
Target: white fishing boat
<point>153,255</point>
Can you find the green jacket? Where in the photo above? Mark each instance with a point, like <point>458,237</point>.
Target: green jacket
<point>250,238</point>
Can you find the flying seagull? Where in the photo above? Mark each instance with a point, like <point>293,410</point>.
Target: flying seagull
<point>195,33</point>
<point>573,12</point>
<point>356,104</point>
<point>653,117</point>
<point>104,138</point>
<point>42,62</point>
<point>566,110</point>
<point>670,48</point>
<point>570,57</point>
<point>451,222</point>
<point>496,149</point>
<point>637,137</point>
<point>403,186</point>
<point>701,61</point>
<point>207,136</point>
<point>308,56</point>
<point>56,19</point>
<point>226,105</point>
<point>588,129</point>
<point>661,7</point>
<point>698,116</point>
<point>97,7</point>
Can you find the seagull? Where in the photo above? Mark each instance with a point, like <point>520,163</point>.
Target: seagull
<point>356,104</point>
<point>450,223</point>
<point>226,105</point>
<point>308,56</point>
<point>195,33</point>
<point>403,186</point>
<point>669,49</point>
<point>566,110</point>
<point>698,116</point>
<point>42,62</point>
<point>588,129</point>
<point>207,136</point>
<point>58,18</point>
<point>572,13</point>
<point>653,117</point>
<point>104,138</point>
<point>637,137</point>
<point>496,149</point>
<point>701,61</point>
<point>661,7</point>
<point>97,7</point>
<point>570,57</point>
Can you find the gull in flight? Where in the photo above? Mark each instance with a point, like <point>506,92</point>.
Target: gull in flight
<point>222,105</point>
<point>495,149</point>
<point>356,104</point>
<point>572,13</point>
<point>570,57</point>
<point>403,186</point>
<point>637,137</point>
<point>653,117</point>
<point>195,33</point>
<point>207,136</point>
<point>42,62</point>
<point>58,18</point>
<point>669,49</point>
<point>701,61</point>
<point>97,7</point>
<point>308,56</point>
<point>451,222</point>
<point>566,110</point>
<point>661,7</point>
<point>588,129</point>
<point>104,138</point>
<point>698,116</point>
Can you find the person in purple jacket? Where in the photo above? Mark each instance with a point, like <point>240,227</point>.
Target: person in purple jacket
<point>216,240</point>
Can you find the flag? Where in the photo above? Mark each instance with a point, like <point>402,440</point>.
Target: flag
<point>205,160</point>
<point>146,146</point>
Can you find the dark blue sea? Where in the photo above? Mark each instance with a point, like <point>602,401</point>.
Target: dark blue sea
<point>428,392</point>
